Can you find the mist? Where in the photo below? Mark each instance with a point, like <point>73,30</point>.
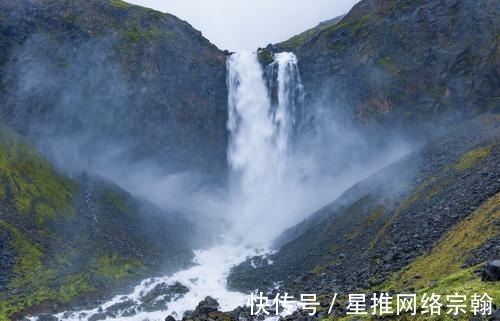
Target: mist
<point>287,158</point>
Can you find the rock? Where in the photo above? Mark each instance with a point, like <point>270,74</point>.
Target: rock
<point>161,294</point>
<point>206,306</point>
<point>170,318</point>
<point>97,317</point>
<point>122,308</point>
<point>495,316</point>
<point>491,272</point>
<point>46,317</point>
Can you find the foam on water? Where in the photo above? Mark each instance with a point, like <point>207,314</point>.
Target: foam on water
<point>206,278</point>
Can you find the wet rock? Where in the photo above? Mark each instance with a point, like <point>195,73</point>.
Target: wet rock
<point>206,306</point>
<point>170,318</point>
<point>161,294</point>
<point>125,308</point>
<point>491,271</point>
<point>97,317</point>
<point>46,317</point>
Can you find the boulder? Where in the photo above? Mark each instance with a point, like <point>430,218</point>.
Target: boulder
<point>206,306</point>
<point>491,271</point>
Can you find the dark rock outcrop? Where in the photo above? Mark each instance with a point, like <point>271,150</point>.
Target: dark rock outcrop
<point>87,74</point>
<point>491,272</point>
<point>161,294</point>
<point>206,306</point>
<point>405,61</point>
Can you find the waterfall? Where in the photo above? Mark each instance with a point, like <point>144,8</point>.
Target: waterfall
<point>263,114</point>
<point>260,129</point>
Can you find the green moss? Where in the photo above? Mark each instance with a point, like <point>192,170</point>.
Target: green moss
<point>117,201</point>
<point>31,180</point>
<point>134,33</point>
<point>449,254</point>
<point>34,193</point>
<point>265,57</point>
<point>2,191</point>
<point>73,286</point>
<point>351,26</point>
<point>298,40</point>
<point>471,157</point>
<point>119,4</point>
<point>118,267</point>
<point>465,282</point>
<point>31,277</point>
<point>371,218</point>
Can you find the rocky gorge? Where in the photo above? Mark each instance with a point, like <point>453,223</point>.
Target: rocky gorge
<point>91,90</point>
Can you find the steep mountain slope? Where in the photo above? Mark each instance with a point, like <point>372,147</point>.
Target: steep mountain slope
<point>88,74</point>
<point>298,40</point>
<point>444,196</point>
<point>404,61</point>
<point>61,238</point>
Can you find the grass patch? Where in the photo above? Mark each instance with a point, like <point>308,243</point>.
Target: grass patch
<point>119,4</point>
<point>449,254</point>
<point>31,277</point>
<point>117,201</point>
<point>468,159</point>
<point>118,267</point>
<point>135,34</point>
<point>31,181</point>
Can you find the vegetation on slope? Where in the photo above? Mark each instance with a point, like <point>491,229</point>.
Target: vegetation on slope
<point>62,234</point>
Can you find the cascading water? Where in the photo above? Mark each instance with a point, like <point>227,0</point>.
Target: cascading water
<point>263,108</point>
<point>262,118</point>
<point>261,127</point>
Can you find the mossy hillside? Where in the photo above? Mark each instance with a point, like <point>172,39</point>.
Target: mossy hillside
<point>58,252</point>
<point>471,157</point>
<point>29,182</point>
<point>441,270</point>
<point>465,282</point>
<point>298,40</point>
<point>118,267</point>
<point>133,33</point>
<point>449,254</point>
<point>433,185</point>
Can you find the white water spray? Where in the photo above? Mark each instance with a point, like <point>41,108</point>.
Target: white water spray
<point>263,108</point>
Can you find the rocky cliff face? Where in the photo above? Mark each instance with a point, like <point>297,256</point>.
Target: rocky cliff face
<point>399,61</point>
<point>61,237</point>
<point>91,74</point>
<point>85,80</point>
